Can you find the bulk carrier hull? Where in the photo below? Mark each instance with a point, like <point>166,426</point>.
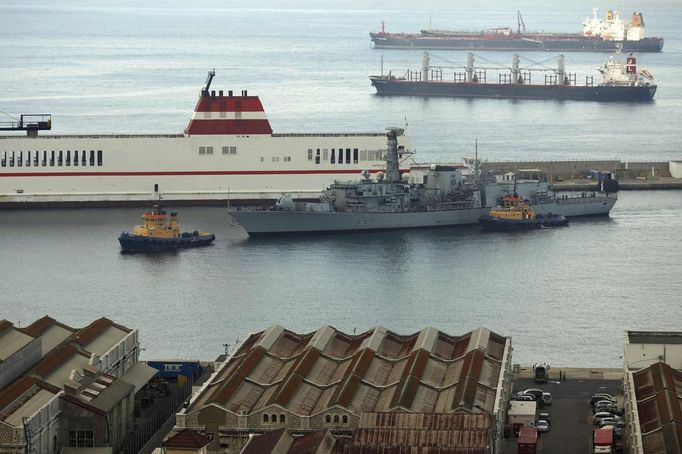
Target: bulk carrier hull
<point>264,223</point>
<point>398,87</point>
<point>528,42</point>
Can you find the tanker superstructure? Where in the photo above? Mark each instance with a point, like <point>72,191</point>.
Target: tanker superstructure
<point>228,151</point>
<point>445,196</point>
<point>597,35</point>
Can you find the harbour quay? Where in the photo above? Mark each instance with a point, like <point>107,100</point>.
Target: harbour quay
<point>583,175</point>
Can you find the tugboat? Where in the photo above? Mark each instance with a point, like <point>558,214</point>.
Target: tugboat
<point>160,232</point>
<point>517,214</point>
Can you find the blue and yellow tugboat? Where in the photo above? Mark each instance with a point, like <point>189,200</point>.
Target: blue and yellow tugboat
<point>160,232</point>
<point>517,214</point>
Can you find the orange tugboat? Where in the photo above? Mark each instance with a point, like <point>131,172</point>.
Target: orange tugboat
<point>517,214</point>
<point>160,232</point>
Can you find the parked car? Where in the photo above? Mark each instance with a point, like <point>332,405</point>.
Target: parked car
<point>603,405</point>
<point>525,397</point>
<point>546,398</point>
<point>597,417</point>
<point>601,396</point>
<point>607,422</point>
<point>533,392</point>
<point>542,426</point>
<point>545,417</point>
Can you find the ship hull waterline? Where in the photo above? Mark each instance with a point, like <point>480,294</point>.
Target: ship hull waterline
<point>578,44</point>
<point>263,223</point>
<point>605,93</point>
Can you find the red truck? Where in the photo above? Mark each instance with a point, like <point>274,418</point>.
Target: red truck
<point>528,440</point>
<point>603,441</point>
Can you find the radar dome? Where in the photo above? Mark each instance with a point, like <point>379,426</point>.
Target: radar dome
<point>433,167</point>
<point>405,177</point>
<point>285,202</point>
<point>365,174</point>
<point>381,176</point>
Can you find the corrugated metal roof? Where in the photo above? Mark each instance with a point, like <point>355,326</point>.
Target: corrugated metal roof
<point>377,370</point>
<point>658,390</point>
<point>11,341</point>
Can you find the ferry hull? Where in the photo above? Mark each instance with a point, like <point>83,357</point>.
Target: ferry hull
<point>524,43</point>
<point>262,223</point>
<point>397,87</point>
<point>136,243</point>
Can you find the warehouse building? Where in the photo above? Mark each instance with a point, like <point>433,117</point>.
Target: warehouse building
<point>327,379</point>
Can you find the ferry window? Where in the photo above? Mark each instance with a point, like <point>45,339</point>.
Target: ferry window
<point>363,155</point>
<point>233,150</point>
<point>75,157</point>
<point>52,158</point>
<point>3,162</point>
<point>340,158</point>
<point>99,157</point>
<point>202,150</point>
<point>226,150</point>
<point>11,159</point>
<point>275,159</point>
<point>325,154</point>
<point>68,157</point>
<point>317,156</point>
<point>35,158</point>
<point>333,158</point>
<point>20,159</point>
<point>355,155</point>
<point>209,150</point>
<point>83,158</point>
<point>60,158</point>
<point>44,158</point>
<point>262,159</point>
<point>156,187</point>
<point>92,157</point>
<point>28,159</point>
<point>347,155</point>
<point>310,154</point>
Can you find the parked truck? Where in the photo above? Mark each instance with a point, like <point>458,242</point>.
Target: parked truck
<point>528,441</point>
<point>541,373</point>
<point>603,441</point>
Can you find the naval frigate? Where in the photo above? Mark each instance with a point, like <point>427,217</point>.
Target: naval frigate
<point>446,196</point>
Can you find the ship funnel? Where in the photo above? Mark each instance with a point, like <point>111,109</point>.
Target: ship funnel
<point>392,164</point>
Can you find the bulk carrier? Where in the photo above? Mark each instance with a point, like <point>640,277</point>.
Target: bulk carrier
<point>228,151</point>
<point>597,35</point>
<point>620,82</point>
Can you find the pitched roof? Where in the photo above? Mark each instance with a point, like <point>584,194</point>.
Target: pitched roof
<point>378,370</point>
<point>658,390</point>
<point>188,439</point>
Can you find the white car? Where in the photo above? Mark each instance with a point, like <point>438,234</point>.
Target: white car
<point>542,426</point>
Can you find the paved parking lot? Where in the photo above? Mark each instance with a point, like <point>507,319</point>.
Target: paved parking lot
<point>571,428</point>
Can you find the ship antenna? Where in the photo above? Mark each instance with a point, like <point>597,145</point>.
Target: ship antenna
<point>209,79</point>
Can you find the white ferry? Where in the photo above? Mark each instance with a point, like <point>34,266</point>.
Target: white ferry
<point>228,151</point>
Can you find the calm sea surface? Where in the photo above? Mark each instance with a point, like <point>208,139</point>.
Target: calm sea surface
<point>130,66</point>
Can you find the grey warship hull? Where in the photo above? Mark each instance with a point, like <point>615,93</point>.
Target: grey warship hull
<point>273,222</point>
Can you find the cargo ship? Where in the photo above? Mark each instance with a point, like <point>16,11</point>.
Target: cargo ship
<point>597,35</point>
<point>442,196</point>
<point>227,152</point>
<point>620,82</point>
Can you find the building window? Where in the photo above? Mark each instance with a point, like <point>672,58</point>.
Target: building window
<point>328,418</point>
<point>273,417</point>
<point>336,419</point>
<point>202,150</point>
<point>99,157</point>
<point>333,158</point>
<point>345,419</point>
<point>80,439</point>
<point>310,154</point>
<point>282,418</point>
<point>265,417</point>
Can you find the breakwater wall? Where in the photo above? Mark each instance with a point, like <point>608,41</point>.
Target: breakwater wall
<point>579,169</point>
